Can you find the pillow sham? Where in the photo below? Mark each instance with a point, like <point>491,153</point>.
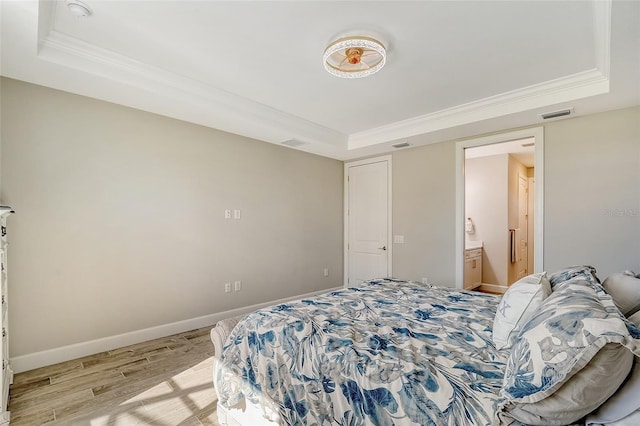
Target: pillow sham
<point>624,288</point>
<point>586,272</point>
<point>518,303</point>
<point>584,392</point>
<point>567,333</point>
<point>624,405</point>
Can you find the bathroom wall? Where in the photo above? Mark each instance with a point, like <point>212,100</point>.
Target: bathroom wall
<point>487,205</point>
<point>492,204</point>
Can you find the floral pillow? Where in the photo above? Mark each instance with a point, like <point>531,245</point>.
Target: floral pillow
<point>585,272</point>
<point>577,331</point>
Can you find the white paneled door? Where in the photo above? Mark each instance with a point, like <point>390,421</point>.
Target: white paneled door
<point>368,200</point>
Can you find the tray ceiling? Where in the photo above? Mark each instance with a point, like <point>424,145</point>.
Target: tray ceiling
<point>254,68</point>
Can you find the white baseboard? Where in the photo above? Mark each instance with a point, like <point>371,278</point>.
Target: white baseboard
<point>65,353</point>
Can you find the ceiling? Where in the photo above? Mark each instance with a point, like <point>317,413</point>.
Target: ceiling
<point>454,68</point>
<point>522,149</point>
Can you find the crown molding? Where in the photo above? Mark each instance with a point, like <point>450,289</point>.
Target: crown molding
<point>192,100</point>
<point>225,111</point>
<point>565,89</point>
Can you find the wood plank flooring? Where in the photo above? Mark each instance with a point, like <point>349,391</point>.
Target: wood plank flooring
<point>163,382</point>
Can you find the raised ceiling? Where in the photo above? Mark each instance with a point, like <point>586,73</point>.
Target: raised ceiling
<point>254,68</point>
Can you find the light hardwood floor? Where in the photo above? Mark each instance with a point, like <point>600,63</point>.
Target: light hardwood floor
<point>163,382</point>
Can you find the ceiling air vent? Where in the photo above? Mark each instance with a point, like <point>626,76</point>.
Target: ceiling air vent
<point>293,143</point>
<point>556,114</point>
<point>401,145</point>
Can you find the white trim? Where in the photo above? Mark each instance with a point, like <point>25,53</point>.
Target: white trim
<point>565,89</point>
<point>225,110</point>
<point>602,31</point>
<point>65,353</point>
<point>538,134</point>
<point>380,159</point>
<point>207,105</point>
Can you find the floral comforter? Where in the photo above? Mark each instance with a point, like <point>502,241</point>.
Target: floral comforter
<point>388,353</point>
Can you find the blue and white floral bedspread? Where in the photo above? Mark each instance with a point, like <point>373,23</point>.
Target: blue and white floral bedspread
<point>388,353</point>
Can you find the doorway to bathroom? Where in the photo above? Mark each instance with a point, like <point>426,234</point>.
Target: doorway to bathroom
<point>497,214</point>
<point>499,209</point>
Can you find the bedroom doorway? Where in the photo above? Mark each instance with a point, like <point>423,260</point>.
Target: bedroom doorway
<point>367,220</point>
<point>522,235</point>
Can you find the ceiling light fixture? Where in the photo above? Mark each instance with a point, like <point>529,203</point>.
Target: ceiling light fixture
<point>354,57</point>
<point>78,9</point>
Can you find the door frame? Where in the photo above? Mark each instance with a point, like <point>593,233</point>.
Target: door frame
<point>386,159</point>
<point>525,179</point>
<point>538,134</point>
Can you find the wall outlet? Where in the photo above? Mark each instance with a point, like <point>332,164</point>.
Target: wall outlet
<point>237,286</point>
<point>227,214</point>
<point>425,280</point>
<point>227,287</point>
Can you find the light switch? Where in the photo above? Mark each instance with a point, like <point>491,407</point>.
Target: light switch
<point>236,214</point>
<point>398,239</point>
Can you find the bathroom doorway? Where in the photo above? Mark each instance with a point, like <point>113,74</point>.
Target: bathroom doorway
<point>499,223</point>
<point>497,214</point>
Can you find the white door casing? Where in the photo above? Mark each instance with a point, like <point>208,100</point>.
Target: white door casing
<point>530,226</point>
<point>368,251</point>
<point>521,256</point>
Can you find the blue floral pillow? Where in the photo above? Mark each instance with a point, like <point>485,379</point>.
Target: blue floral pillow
<point>573,324</point>
<point>584,272</point>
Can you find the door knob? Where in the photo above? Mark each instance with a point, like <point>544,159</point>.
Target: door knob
<point>382,248</point>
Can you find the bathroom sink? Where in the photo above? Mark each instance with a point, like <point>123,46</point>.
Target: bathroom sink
<point>470,245</point>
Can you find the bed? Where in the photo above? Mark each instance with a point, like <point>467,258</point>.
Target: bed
<point>395,352</point>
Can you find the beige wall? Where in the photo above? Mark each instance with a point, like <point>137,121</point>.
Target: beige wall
<point>486,200</point>
<point>120,226</point>
<point>591,206</point>
<point>423,202</point>
<point>119,213</point>
<point>592,192</point>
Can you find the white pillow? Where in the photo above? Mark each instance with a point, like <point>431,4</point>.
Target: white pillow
<point>518,304</point>
<point>622,404</point>
<point>624,288</point>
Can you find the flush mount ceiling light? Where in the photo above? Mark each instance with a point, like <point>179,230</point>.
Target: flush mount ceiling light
<point>354,57</point>
<point>78,9</point>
